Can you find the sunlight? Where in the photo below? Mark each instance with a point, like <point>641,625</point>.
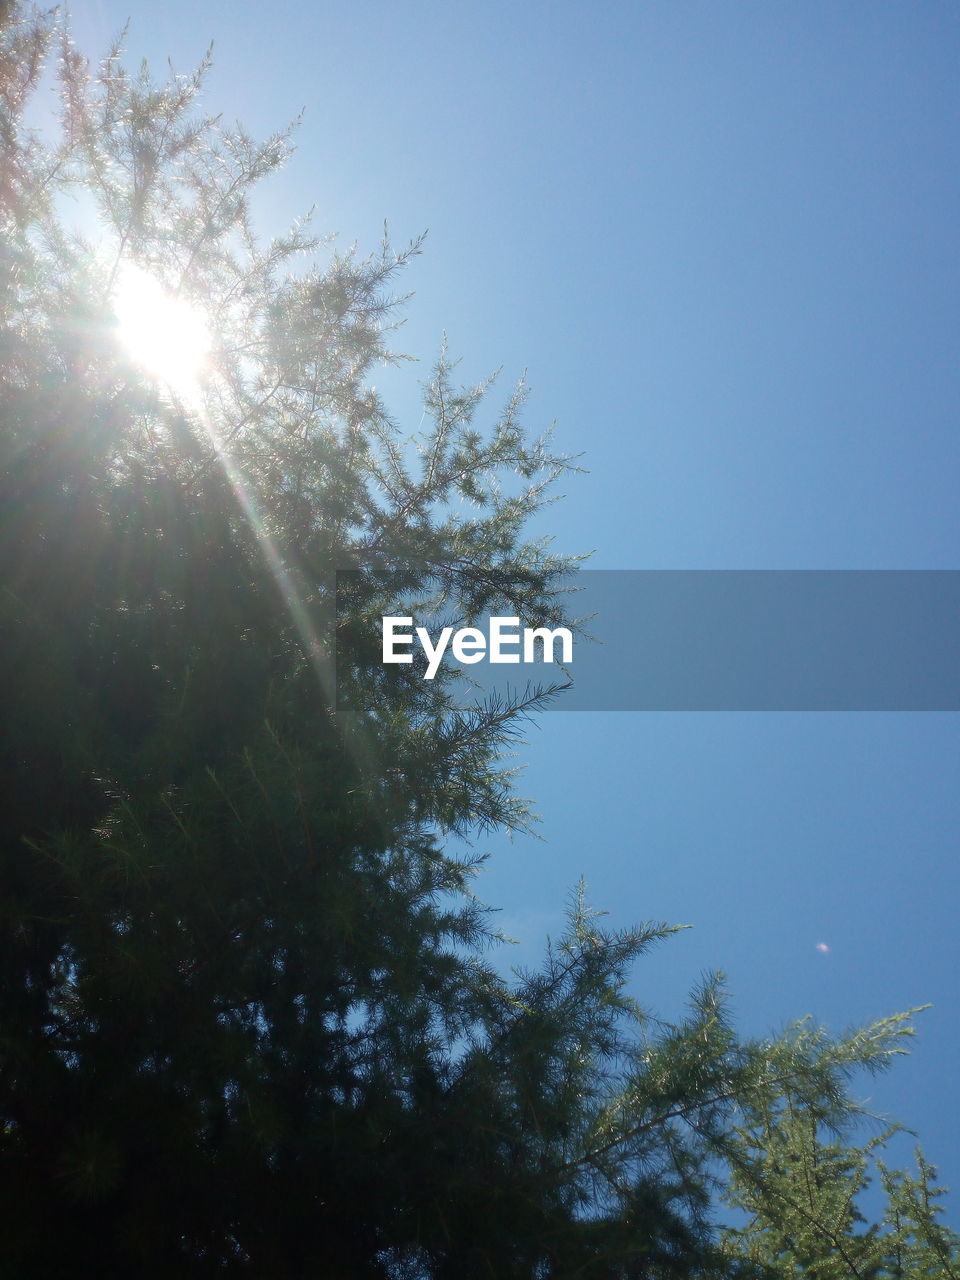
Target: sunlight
<point>165,335</point>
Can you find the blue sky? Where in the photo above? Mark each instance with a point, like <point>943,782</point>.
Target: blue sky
<point>722,241</point>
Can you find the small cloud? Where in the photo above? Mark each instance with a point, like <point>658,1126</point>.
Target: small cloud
<point>822,948</point>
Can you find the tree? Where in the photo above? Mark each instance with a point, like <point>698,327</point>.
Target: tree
<point>802,1183</point>
<point>247,1025</point>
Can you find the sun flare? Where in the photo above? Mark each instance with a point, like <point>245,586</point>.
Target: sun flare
<point>165,335</point>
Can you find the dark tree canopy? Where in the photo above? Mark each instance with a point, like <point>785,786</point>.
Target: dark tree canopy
<point>246,1023</point>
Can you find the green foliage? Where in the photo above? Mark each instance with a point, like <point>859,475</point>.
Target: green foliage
<point>246,1025</point>
<point>800,1177</point>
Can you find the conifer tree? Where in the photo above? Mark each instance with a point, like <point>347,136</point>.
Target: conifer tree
<point>802,1178</point>
<point>246,1023</point>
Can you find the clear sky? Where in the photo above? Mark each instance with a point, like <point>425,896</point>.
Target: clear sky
<point>722,240</point>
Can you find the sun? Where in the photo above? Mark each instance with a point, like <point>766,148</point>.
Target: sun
<point>168,337</point>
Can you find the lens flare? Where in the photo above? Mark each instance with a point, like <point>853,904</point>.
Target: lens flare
<point>168,337</point>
